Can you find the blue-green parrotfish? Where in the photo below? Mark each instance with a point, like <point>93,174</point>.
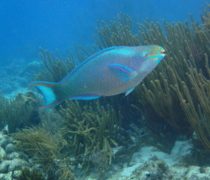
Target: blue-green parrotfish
<point>108,72</point>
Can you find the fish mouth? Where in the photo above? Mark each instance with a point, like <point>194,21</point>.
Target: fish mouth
<point>158,55</point>
<point>162,52</point>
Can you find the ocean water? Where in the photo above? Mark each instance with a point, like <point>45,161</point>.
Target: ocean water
<point>139,150</point>
<point>56,24</point>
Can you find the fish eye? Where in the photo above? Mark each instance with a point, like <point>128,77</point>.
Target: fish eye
<point>141,55</point>
<point>144,54</point>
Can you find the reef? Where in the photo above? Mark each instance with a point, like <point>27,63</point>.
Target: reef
<point>172,103</point>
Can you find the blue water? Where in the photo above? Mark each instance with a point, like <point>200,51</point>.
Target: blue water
<point>26,25</point>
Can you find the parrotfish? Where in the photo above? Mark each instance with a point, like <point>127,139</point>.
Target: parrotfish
<point>108,72</point>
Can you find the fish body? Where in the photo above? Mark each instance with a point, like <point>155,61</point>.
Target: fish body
<point>109,72</point>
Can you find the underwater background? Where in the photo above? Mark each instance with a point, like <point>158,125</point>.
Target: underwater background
<point>160,131</point>
<point>27,25</point>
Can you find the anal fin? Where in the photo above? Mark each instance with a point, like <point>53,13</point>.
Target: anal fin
<point>84,97</point>
<point>129,91</point>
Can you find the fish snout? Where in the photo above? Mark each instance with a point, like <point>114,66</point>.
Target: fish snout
<point>162,52</point>
<point>158,57</point>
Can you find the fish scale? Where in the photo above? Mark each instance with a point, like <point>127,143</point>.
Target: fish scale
<point>108,72</point>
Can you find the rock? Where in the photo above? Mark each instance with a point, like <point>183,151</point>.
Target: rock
<point>4,140</point>
<point>6,176</point>
<point>16,174</point>
<point>17,164</point>
<point>4,166</point>
<point>29,69</point>
<point>13,155</point>
<point>194,174</point>
<point>178,172</point>
<point>2,153</point>
<point>10,148</point>
<point>207,170</point>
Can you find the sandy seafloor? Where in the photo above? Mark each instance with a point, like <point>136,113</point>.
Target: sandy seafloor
<point>148,163</point>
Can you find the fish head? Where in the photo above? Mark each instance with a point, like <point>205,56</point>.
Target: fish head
<point>153,55</point>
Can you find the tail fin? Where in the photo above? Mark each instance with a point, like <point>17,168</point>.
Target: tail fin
<point>47,90</point>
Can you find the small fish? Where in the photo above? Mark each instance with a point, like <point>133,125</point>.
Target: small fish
<point>108,72</point>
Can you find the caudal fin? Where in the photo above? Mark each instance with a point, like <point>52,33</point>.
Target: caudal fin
<point>47,90</point>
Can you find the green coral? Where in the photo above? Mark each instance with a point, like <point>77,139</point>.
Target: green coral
<point>116,34</point>
<point>177,91</point>
<point>56,67</point>
<point>91,132</point>
<point>206,18</point>
<point>17,112</point>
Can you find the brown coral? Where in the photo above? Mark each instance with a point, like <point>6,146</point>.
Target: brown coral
<point>90,131</point>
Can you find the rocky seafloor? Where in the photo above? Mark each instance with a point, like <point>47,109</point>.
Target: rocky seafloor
<point>146,164</point>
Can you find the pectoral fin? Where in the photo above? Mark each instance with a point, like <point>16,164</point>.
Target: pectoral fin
<point>124,73</point>
<point>129,91</point>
